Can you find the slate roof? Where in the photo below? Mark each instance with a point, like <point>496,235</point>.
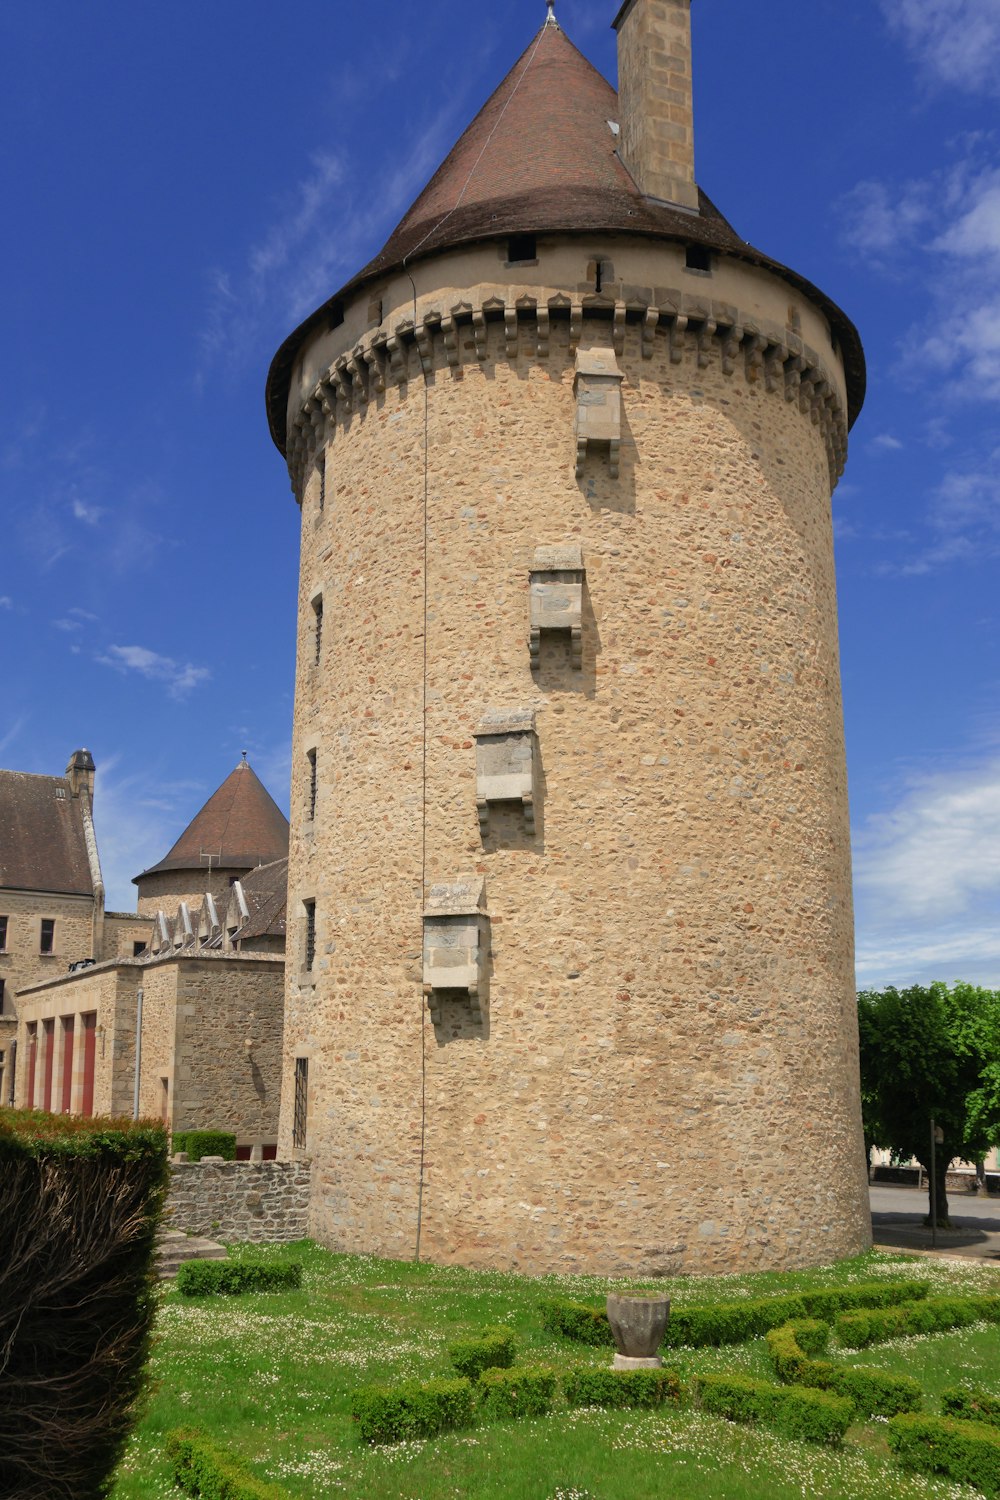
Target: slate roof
<point>540,157</point>
<point>266,892</point>
<point>43,845</point>
<point>240,826</point>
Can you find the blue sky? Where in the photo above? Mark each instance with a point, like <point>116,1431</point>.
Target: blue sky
<point>182,184</point>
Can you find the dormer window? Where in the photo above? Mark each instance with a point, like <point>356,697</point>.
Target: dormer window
<point>522,249</point>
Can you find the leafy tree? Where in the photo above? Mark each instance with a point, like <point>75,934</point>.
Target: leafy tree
<point>931,1050</point>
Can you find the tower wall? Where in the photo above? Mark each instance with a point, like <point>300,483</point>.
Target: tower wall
<point>665,1076</point>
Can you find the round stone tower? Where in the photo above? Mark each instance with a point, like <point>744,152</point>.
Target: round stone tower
<point>570,961</point>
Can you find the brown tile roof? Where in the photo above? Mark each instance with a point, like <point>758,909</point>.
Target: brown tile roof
<point>540,158</point>
<point>240,826</point>
<point>266,892</point>
<point>43,846</point>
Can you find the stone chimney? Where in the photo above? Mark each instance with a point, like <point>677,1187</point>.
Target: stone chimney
<point>655,98</point>
<point>81,773</point>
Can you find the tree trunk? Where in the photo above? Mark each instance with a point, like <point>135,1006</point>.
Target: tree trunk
<point>943,1160</point>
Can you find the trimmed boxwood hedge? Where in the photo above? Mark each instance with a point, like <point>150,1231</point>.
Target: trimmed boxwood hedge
<point>809,1416</point>
<point>574,1320</point>
<point>621,1388</point>
<point>412,1409</point>
<point>494,1350</point>
<point>971,1405</point>
<point>965,1452</point>
<point>521,1392</point>
<point>858,1330</point>
<point>80,1199</point>
<point>203,1278</point>
<point>873,1392</point>
<point>199,1143</point>
<point>200,1468</point>
<point>731,1322</point>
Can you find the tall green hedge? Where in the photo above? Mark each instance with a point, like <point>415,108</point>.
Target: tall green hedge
<point>79,1204</point>
<point>199,1143</point>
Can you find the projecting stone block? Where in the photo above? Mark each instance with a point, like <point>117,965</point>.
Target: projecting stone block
<point>456,944</point>
<point>556,595</point>
<point>505,763</point>
<point>598,387</point>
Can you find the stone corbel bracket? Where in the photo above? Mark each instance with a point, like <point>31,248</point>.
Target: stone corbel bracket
<point>598,389</point>
<point>556,598</point>
<point>505,763</point>
<point>457,945</point>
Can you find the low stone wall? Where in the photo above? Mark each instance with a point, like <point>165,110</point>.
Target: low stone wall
<point>264,1201</point>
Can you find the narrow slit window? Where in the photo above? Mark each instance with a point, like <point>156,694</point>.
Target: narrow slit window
<point>317,628</point>
<point>47,936</point>
<point>3,986</point>
<point>3,934</point>
<point>321,478</point>
<point>301,1108</point>
<point>313,785</point>
<point>310,945</point>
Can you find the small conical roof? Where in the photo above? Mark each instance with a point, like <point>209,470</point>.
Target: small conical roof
<point>240,826</point>
<point>541,157</point>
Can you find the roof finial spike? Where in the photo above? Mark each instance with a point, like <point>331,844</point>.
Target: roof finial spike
<point>551,17</point>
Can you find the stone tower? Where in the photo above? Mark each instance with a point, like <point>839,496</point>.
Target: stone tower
<point>570,975</point>
<point>239,828</point>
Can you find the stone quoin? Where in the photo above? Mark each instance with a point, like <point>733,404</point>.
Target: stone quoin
<point>565,352</point>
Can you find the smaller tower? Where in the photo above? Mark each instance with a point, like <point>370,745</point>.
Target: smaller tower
<point>239,828</point>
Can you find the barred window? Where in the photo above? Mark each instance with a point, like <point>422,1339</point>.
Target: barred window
<point>310,951</point>
<point>301,1108</point>
<point>317,605</point>
<point>313,784</point>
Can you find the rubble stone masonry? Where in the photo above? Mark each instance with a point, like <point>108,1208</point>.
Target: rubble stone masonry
<point>263,1202</point>
<point>665,1077</point>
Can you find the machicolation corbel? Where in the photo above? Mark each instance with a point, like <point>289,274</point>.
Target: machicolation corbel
<point>556,599</point>
<point>456,945</point>
<point>505,763</point>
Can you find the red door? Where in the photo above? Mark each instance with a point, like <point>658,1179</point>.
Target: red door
<point>49,1037</point>
<point>89,1045</point>
<point>67,1064</point>
<point>29,1093</point>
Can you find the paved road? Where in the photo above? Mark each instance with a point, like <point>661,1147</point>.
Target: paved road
<point>898,1214</point>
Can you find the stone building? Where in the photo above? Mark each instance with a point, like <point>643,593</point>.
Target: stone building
<point>51,891</point>
<point>570,954</point>
<point>182,1022</point>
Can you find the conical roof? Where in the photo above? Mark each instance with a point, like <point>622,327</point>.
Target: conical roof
<point>240,826</point>
<point>541,157</point>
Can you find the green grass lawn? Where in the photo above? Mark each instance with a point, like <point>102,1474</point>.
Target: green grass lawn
<point>271,1378</point>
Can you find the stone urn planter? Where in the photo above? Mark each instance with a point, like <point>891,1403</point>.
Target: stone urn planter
<point>638,1325</point>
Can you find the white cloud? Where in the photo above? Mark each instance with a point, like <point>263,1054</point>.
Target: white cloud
<point>13,732</point>
<point>6,602</point>
<point>322,235</point>
<point>927,882</point>
<point>884,442</point>
<point>956,42</point>
<point>180,679</point>
<point>89,514</point>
